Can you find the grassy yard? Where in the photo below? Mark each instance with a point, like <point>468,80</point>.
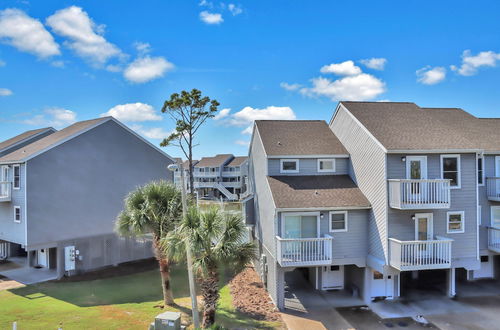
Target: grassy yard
<point>120,302</point>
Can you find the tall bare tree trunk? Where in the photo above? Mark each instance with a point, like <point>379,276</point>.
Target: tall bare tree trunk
<point>210,293</point>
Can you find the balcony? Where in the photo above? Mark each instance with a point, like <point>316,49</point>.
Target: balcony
<point>231,173</point>
<point>198,184</point>
<point>296,252</point>
<point>408,194</point>
<point>420,255</point>
<point>494,239</point>
<point>5,191</point>
<point>236,184</point>
<point>493,188</point>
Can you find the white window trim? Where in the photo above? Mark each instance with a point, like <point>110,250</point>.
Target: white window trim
<point>20,215</point>
<point>327,159</point>
<point>14,177</point>
<point>459,170</point>
<point>295,214</point>
<point>4,170</point>
<point>345,213</point>
<point>462,213</point>
<point>289,171</point>
<point>484,179</point>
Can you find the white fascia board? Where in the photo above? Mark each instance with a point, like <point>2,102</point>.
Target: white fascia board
<point>307,156</point>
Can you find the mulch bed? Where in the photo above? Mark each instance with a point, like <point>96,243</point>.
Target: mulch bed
<point>251,298</point>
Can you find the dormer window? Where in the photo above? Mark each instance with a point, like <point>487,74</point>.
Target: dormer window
<point>289,166</point>
<point>326,165</point>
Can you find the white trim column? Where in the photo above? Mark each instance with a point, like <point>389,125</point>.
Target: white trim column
<point>451,279</point>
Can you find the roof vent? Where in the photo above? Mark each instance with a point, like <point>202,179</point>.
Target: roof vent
<point>316,192</point>
<point>279,143</point>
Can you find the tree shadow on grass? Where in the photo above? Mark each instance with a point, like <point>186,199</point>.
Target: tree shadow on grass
<point>135,288</point>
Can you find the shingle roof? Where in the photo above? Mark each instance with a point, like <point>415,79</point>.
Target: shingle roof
<point>237,161</point>
<point>298,137</point>
<point>406,126</point>
<point>23,136</point>
<point>328,191</point>
<point>50,140</point>
<point>185,164</point>
<point>218,160</point>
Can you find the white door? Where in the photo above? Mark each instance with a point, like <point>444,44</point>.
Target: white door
<point>424,232</point>
<point>43,258</point>
<point>416,169</point>
<point>332,277</point>
<point>382,286</point>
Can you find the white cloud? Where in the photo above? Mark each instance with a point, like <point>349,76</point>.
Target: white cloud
<point>242,143</point>
<point>205,3</point>
<point>84,36</point>
<point>222,114</point>
<point>133,112</point>
<point>114,68</point>
<point>374,63</point>
<point>211,18</point>
<point>431,76</point>
<point>57,64</point>
<point>2,63</point>
<point>27,34</point>
<point>57,117</point>
<point>142,47</point>
<point>147,68</point>
<point>360,87</point>
<point>234,9</point>
<point>290,87</point>
<point>5,92</point>
<point>156,133</point>
<point>346,68</point>
<point>471,63</point>
<point>247,115</point>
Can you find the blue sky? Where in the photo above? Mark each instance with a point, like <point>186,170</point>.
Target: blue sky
<point>62,61</point>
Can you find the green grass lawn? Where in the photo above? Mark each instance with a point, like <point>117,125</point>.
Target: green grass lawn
<point>120,302</point>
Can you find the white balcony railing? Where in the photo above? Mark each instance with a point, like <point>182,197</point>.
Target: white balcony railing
<point>232,184</point>
<point>494,239</point>
<point>406,194</point>
<point>420,255</point>
<point>231,173</point>
<point>5,191</point>
<point>493,188</point>
<point>292,252</point>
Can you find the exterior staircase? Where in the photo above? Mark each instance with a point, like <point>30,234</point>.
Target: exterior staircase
<point>229,195</point>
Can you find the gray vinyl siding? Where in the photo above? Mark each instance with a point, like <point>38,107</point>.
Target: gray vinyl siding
<point>489,171</point>
<point>309,166</point>
<point>400,223</point>
<point>76,189</point>
<point>24,143</point>
<point>263,199</point>
<point>368,161</point>
<point>352,244</point>
<point>9,230</point>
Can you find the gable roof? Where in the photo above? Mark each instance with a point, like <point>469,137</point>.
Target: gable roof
<point>40,146</point>
<point>401,126</point>
<point>298,137</point>
<point>23,137</point>
<point>217,160</point>
<point>316,191</point>
<point>237,161</point>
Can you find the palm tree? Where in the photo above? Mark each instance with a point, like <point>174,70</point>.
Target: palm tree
<point>153,209</point>
<point>216,238</point>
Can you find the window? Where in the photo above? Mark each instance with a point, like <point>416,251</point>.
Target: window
<point>338,221</point>
<point>17,176</point>
<point>17,214</point>
<point>480,170</point>
<point>326,165</point>
<point>289,166</point>
<point>455,222</point>
<point>450,169</point>
<point>485,259</point>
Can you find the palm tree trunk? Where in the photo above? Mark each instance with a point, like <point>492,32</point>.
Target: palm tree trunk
<point>168,297</point>
<point>210,294</point>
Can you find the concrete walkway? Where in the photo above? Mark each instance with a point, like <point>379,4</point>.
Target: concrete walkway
<point>307,308</point>
<point>18,271</point>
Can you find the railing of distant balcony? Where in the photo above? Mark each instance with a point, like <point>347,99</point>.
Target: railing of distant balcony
<point>419,194</point>
<point>5,190</point>
<point>494,239</point>
<point>493,188</point>
<point>304,251</point>
<point>420,255</point>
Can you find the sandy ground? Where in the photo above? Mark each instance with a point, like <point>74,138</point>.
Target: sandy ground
<point>6,284</point>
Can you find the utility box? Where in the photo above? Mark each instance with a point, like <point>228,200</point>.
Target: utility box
<point>167,321</point>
